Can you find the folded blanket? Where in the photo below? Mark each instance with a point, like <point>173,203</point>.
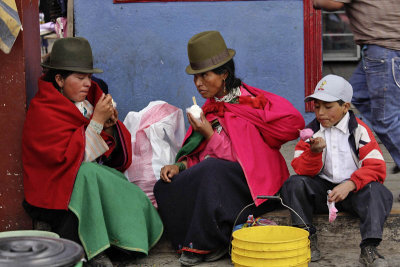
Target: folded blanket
<point>112,211</point>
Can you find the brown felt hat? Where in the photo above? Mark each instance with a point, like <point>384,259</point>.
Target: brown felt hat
<point>73,54</point>
<point>207,51</point>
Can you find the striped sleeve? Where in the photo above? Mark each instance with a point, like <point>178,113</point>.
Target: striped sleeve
<point>372,164</point>
<point>95,144</point>
<point>306,162</point>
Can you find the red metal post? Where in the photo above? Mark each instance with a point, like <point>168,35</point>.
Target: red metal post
<point>19,72</point>
<point>312,49</point>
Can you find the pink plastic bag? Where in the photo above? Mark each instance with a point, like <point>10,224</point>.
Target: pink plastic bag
<point>157,134</point>
<point>61,27</point>
<point>332,209</point>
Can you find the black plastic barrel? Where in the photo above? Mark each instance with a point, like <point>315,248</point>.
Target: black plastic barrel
<point>39,251</point>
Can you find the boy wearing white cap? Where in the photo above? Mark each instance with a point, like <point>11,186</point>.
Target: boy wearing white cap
<point>342,156</point>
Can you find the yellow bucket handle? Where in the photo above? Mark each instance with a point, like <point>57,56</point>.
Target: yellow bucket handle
<point>269,198</point>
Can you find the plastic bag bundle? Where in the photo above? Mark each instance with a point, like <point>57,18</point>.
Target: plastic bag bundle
<point>157,135</point>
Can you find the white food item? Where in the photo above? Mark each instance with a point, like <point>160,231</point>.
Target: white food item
<point>195,111</point>
<point>114,104</point>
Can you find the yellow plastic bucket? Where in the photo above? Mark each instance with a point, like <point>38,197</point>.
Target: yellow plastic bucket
<point>302,264</point>
<point>271,246</point>
<point>299,252</point>
<point>252,262</point>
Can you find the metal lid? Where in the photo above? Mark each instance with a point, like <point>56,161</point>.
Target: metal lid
<point>39,251</point>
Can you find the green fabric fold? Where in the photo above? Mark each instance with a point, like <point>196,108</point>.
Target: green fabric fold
<point>112,211</point>
<point>193,141</point>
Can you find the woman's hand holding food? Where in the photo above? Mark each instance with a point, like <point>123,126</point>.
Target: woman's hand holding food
<point>203,126</point>
<point>104,111</point>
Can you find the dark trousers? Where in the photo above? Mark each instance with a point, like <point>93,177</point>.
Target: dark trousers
<point>62,222</point>
<point>308,196</point>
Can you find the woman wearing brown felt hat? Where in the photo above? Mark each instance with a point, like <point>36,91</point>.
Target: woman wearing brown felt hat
<point>74,149</point>
<point>229,156</point>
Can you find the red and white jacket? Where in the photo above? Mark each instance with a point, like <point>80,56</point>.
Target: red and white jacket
<point>365,151</point>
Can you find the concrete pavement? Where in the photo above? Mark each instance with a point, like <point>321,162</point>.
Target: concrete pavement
<point>338,241</point>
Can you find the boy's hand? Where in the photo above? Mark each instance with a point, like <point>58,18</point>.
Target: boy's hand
<point>317,145</point>
<point>341,191</point>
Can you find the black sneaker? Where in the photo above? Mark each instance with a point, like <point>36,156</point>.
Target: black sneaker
<point>315,253</point>
<point>190,259</point>
<point>216,255</point>
<point>370,257</point>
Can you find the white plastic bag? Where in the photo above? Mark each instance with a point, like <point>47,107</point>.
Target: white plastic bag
<point>157,135</point>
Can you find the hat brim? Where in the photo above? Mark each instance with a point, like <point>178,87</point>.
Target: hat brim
<point>74,69</point>
<point>189,69</point>
<point>321,96</point>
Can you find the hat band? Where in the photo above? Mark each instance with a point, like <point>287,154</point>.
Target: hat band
<point>210,61</point>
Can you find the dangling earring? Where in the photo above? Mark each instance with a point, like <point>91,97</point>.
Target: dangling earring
<point>62,90</point>
<point>225,92</point>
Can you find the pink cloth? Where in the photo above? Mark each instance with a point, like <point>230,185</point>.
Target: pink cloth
<point>306,134</point>
<point>257,135</point>
<point>219,146</point>
<point>332,211</point>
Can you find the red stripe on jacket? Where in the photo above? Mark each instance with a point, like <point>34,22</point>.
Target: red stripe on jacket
<point>372,169</point>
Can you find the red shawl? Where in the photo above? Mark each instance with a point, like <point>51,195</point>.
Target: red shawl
<point>53,146</point>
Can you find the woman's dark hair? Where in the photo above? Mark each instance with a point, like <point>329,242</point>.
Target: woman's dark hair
<point>231,81</point>
<point>50,76</point>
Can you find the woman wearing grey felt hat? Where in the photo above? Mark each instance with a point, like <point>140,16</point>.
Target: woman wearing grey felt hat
<point>230,156</point>
<point>74,150</point>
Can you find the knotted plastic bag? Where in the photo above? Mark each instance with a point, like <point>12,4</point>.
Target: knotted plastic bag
<point>157,134</point>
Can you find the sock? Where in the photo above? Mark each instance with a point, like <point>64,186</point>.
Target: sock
<point>370,242</point>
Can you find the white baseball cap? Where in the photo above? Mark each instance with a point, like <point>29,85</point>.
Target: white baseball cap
<point>332,88</point>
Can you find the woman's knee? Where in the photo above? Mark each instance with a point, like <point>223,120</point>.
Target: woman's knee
<point>88,166</point>
<point>158,186</point>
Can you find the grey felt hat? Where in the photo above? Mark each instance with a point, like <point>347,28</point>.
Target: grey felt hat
<point>73,54</point>
<point>206,51</point>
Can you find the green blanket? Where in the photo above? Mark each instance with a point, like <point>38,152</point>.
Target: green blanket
<point>112,211</point>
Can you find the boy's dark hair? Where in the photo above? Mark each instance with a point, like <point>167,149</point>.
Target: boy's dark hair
<point>231,80</point>
<point>340,102</point>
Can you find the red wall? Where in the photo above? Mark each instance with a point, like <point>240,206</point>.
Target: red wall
<point>19,72</point>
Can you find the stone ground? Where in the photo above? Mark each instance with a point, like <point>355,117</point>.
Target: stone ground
<point>338,243</point>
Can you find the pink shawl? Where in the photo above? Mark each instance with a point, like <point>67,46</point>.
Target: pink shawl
<point>257,136</point>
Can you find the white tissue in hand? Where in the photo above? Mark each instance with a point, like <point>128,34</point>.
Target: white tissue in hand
<point>195,111</point>
<point>114,104</point>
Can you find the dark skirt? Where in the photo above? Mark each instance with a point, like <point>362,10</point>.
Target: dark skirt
<point>200,205</point>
